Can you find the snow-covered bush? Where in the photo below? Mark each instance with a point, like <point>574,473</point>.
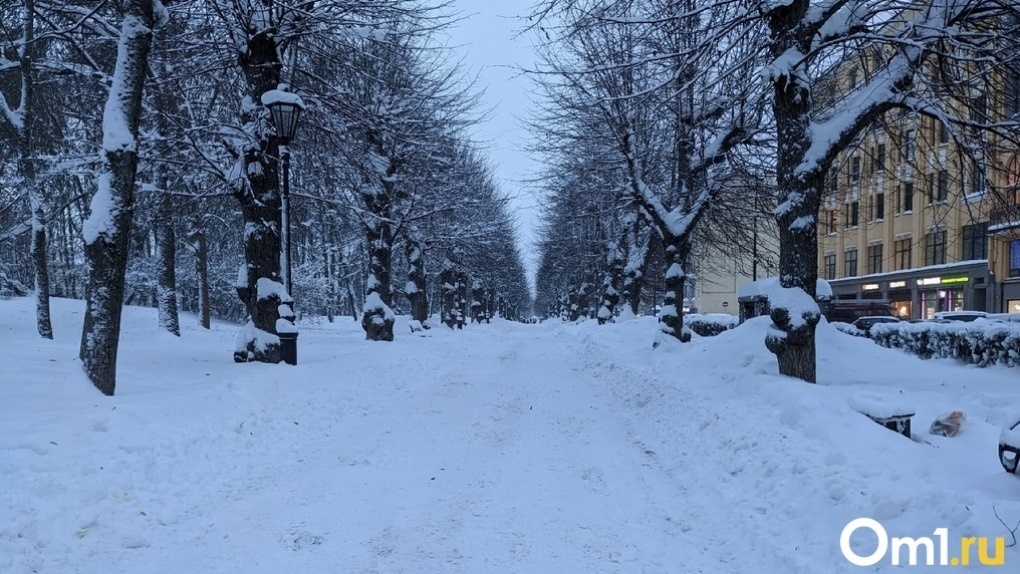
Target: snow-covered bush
<point>979,342</point>
<point>711,324</point>
<point>849,329</point>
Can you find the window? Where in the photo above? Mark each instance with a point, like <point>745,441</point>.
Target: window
<point>943,133</point>
<point>977,180</point>
<point>903,253</point>
<point>908,197</point>
<point>880,158</point>
<point>833,181</point>
<point>1014,258</point>
<point>830,266</point>
<point>875,259</point>
<point>908,146</point>
<point>1013,90</point>
<point>855,170</point>
<point>943,194</point>
<point>880,206</point>
<point>832,223</point>
<point>975,242</point>
<point>855,214</point>
<point>850,263</point>
<point>929,188</point>
<point>853,78</point>
<point>935,248</point>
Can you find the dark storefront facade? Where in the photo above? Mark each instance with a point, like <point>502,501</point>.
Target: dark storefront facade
<point>920,293</point>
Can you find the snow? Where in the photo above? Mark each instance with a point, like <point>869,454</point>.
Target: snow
<point>100,221</point>
<point>763,287</point>
<point>117,133</point>
<point>878,406</point>
<point>373,302</point>
<point>1010,437</point>
<point>281,96</point>
<point>541,448</point>
<point>267,288</point>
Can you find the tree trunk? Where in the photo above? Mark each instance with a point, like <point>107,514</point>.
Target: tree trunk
<point>672,313</point>
<point>259,195</point>
<point>202,270</point>
<point>448,279</point>
<point>166,273</point>
<point>416,280</point>
<point>378,317</point>
<point>108,228</point>
<point>611,284</point>
<point>40,261</point>
<point>793,340</point>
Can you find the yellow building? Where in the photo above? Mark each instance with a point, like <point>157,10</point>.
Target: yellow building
<point>910,219</point>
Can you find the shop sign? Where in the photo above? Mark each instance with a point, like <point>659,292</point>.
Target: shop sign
<point>869,286</point>
<point>897,284</point>
<point>930,281</point>
<point>955,280</point>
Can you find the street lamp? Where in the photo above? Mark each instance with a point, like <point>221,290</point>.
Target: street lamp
<point>285,109</point>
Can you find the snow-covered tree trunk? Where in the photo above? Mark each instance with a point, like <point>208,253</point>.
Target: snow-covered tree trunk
<point>258,192</point>
<point>378,317</point>
<point>615,262</point>
<point>633,271</point>
<point>416,289</point>
<point>477,301</point>
<point>462,299</point>
<point>672,312</point>
<point>108,227</point>
<point>24,121</point>
<point>793,341</point>
<point>166,273</point>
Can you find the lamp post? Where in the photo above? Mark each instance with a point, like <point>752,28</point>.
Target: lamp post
<point>285,109</point>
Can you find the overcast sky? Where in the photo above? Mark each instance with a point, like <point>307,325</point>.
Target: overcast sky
<point>485,39</point>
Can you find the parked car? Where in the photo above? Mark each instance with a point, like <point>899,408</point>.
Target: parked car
<point>1004,317</point>
<point>850,311</point>
<point>866,323</point>
<point>965,316</point>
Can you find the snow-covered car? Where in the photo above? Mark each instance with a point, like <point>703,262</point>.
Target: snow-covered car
<point>1004,317</point>
<point>866,323</point>
<point>965,316</point>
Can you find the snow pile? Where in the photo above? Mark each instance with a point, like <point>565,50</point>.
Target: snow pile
<point>541,448</point>
<point>978,342</point>
<point>710,324</point>
<point>848,329</point>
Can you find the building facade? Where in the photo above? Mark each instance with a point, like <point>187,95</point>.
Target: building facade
<point>910,219</point>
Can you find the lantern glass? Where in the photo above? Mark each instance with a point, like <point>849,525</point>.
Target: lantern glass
<point>285,119</point>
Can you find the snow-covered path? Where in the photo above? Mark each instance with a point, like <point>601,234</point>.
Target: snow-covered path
<point>503,448</point>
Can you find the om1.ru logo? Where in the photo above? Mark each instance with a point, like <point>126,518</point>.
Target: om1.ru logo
<point>913,547</point>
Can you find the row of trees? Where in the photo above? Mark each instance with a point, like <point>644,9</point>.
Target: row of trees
<point>388,192</point>
<point>681,120</point>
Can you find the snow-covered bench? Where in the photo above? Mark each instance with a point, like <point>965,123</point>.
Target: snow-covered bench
<point>884,411</point>
<point>1009,447</point>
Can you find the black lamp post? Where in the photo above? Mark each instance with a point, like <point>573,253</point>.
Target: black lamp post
<point>285,109</point>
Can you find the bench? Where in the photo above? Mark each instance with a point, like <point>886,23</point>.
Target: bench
<point>893,416</point>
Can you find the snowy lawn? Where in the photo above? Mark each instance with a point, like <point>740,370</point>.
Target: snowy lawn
<point>505,448</point>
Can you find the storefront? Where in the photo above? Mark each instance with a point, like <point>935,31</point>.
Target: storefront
<point>920,293</point>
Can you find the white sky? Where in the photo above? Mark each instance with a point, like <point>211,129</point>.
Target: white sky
<point>484,38</point>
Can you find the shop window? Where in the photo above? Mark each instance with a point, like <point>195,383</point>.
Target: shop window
<point>935,248</point>
<point>875,259</point>
<point>830,266</point>
<point>903,248</point>
<point>975,241</point>
<point>1014,258</point>
<point>850,263</point>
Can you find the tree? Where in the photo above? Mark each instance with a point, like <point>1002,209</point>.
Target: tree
<point>108,227</point>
